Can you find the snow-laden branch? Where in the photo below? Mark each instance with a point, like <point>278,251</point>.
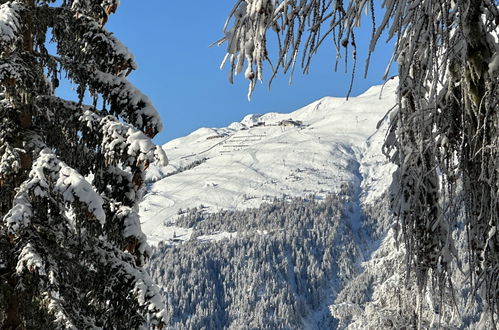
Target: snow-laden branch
<point>85,41</point>
<point>299,26</point>
<point>12,70</point>
<point>122,141</point>
<point>10,25</point>
<point>142,287</point>
<point>118,141</point>
<point>127,101</point>
<point>49,175</point>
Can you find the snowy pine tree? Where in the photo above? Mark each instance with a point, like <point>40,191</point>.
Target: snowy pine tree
<point>71,247</point>
<point>445,131</point>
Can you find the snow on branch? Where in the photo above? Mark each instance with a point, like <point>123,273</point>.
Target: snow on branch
<point>10,160</point>
<point>83,40</point>
<point>20,215</point>
<point>99,9</point>
<point>30,260</point>
<point>10,26</point>
<point>128,102</point>
<point>118,141</point>
<point>125,99</point>
<point>12,70</point>
<point>135,241</point>
<point>149,298</point>
<point>115,152</point>
<point>49,175</point>
<point>142,287</point>
<point>18,77</point>
<point>122,141</point>
<point>73,187</point>
<point>61,317</point>
<point>299,26</point>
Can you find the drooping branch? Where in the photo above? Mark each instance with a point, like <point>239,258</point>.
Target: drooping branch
<point>298,26</point>
<point>94,46</point>
<point>125,100</point>
<point>445,136</point>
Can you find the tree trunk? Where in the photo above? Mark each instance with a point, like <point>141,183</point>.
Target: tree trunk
<point>13,321</point>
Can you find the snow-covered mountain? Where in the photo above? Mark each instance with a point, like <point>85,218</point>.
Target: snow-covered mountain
<point>258,251</point>
<point>314,150</point>
<point>284,222</point>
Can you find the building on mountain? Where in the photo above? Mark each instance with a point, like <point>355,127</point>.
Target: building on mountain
<point>291,122</point>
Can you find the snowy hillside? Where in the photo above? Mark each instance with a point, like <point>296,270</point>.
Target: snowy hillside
<point>259,253</point>
<point>286,257</point>
<point>314,150</point>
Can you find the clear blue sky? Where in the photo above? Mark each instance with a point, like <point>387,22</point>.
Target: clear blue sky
<point>181,74</point>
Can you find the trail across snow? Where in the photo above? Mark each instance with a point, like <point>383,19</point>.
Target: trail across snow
<point>314,150</point>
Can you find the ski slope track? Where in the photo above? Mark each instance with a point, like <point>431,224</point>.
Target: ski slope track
<point>313,150</point>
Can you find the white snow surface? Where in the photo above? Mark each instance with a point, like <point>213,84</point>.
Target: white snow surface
<point>313,150</point>
<point>9,21</point>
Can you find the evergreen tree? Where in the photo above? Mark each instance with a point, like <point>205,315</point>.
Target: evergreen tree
<point>445,130</point>
<point>71,247</point>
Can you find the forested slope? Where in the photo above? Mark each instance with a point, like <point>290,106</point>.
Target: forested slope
<point>280,269</point>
